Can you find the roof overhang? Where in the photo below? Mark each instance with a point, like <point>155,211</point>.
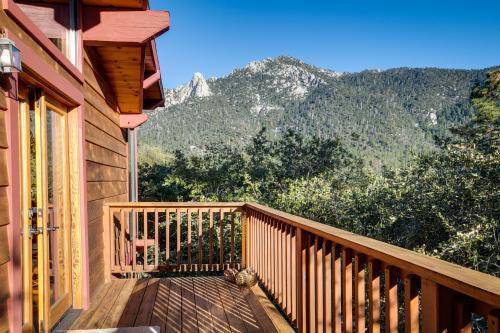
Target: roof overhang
<point>124,40</point>
<point>104,26</point>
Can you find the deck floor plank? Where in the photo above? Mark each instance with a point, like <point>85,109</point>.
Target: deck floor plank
<point>148,302</point>
<point>132,308</point>
<point>205,321</point>
<point>174,307</point>
<point>160,310</point>
<point>94,306</point>
<point>114,315</point>
<point>230,307</point>
<point>189,317</point>
<point>216,309</point>
<point>106,305</point>
<point>251,323</point>
<point>206,304</point>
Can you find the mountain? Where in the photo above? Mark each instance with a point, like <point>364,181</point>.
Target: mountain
<point>197,87</point>
<point>382,116</point>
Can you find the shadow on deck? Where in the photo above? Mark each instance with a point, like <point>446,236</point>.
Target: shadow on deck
<point>179,304</point>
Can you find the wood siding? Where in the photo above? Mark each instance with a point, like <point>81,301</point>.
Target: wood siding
<point>4,217</point>
<point>106,161</point>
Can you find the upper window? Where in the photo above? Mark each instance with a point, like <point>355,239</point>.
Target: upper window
<point>57,20</point>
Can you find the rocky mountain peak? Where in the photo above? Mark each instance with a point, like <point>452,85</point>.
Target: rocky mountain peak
<point>196,88</point>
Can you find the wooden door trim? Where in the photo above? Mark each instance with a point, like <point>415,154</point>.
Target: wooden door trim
<point>27,271</point>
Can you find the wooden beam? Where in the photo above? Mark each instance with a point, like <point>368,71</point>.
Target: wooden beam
<point>104,26</point>
<point>132,120</point>
<point>150,80</point>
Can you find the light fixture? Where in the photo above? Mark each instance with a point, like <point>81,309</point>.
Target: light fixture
<point>10,56</point>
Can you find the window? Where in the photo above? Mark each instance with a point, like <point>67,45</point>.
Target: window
<point>57,19</point>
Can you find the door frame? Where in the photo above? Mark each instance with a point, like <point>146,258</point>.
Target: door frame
<point>48,315</point>
<point>61,306</point>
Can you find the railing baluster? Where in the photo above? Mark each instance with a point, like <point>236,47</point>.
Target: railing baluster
<point>167,237</point>
<point>135,222</point>
<point>263,250</point>
<point>275,265</point>
<point>294,250</point>
<point>252,241</point>
<point>112,235</point>
<point>145,239</point>
<point>347,290</point>
<point>270,252</point>
<point>266,268</point>
<point>231,256</point>
<point>200,239</point>
<point>494,321</point>
<point>311,279</point>
<point>374,296</point>
<point>337,288</point>
<point>283,264</point>
<point>262,243</point>
<point>221,240</point>
<point>301,291</point>
<point>258,245</point>
<point>463,315</point>
<point>157,250</point>
<point>122,239</point>
<point>411,304</point>
<point>328,280</point>
<point>429,306</point>
<point>359,274</point>
<point>319,271</point>
<point>189,239</point>
<point>279,260</point>
<point>391,300</point>
<point>178,247</point>
<point>289,270</point>
<point>211,240</point>
<point>446,316</point>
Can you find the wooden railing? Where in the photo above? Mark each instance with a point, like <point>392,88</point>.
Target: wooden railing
<point>149,237</point>
<point>324,279</point>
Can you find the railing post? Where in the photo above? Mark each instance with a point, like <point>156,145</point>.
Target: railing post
<point>106,243</point>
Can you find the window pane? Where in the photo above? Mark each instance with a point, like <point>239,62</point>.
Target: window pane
<point>53,18</point>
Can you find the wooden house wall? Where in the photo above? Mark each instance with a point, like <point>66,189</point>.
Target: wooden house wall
<point>10,222</point>
<point>106,160</point>
<point>4,217</point>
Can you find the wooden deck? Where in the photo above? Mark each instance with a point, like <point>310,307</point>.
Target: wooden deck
<point>180,304</point>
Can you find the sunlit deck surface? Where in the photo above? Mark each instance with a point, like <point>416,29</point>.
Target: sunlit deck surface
<point>179,304</point>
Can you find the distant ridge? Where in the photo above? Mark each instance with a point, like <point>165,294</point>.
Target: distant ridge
<point>383,116</point>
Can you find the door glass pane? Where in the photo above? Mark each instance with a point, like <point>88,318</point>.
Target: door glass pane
<point>56,162</point>
<point>34,254</point>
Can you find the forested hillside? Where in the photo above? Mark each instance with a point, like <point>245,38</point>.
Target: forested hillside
<point>382,116</point>
<point>444,202</point>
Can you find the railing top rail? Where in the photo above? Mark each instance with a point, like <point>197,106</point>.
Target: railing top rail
<point>174,204</point>
<point>480,286</point>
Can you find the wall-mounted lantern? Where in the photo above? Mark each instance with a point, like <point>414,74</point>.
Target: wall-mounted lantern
<point>10,56</point>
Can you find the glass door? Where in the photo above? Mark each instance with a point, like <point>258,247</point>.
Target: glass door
<point>46,218</point>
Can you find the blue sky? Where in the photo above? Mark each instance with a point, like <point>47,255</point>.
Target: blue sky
<point>215,36</point>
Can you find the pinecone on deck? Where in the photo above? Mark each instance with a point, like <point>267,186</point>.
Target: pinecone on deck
<point>250,277</point>
<point>230,274</point>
